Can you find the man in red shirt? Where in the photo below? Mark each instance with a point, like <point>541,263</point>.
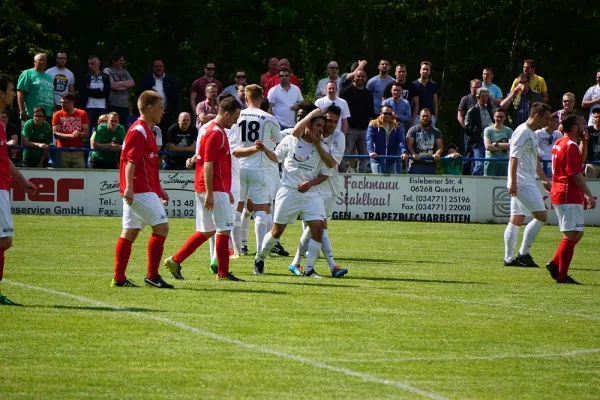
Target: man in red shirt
<point>568,192</point>
<point>198,91</point>
<point>272,65</point>
<point>284,64</point>
<point>214,213</point>
<point>70,127</point>
<point>140,188</point>
<point>7,170</point>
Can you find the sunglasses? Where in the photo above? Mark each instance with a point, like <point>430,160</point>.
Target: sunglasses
<point>210,68</point>
<point>387,113</point>
<point>240,76</point>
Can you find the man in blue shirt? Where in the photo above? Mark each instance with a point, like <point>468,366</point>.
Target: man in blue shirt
<point>378,83</point>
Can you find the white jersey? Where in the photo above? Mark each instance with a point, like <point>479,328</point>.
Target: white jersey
<point>255,124</point>
<point>301,162</point>
<point>524,147</point>
<point>324,102</point>
<point>286,132</point>
<point>336,142</point>
<point>545,141</point>
<point>234,143</point>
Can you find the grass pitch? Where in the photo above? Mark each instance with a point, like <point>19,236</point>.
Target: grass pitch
<point>426,311</point>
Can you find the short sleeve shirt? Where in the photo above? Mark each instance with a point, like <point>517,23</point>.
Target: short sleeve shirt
<point>283,101</point>
<point>424,139</point>
<point>62,78</point>
<point>501,136</point>
<point>103,135</point>
<point>301,162</point>
<point>537,84</point>
<point>5,179</point>
<point>376,85</point>
<point>325,102</point>
<point>591,94</point>
<point>593,144</point>
<point>523,146</point>
<point>140,149</point>
<point>39,89</point>
<point>214,147</point>
<point>36,134</point>
<point>426,93</point>
<point>566,162</point>
<point>199,87</point>
<point>69,123</point>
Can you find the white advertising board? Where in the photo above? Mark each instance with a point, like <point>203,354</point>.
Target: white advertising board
<point>424,198</point>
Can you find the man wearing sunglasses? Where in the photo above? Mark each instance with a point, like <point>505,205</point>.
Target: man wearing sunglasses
<point>240,79</point>
<point>333,74</point>
<point>198,92</point>
<point>568,102</point>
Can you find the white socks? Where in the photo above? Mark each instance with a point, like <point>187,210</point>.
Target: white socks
<point>314,248</point>
<point>327,250</point>
<point>510,241</point>
<point>211,245</point>
<point>302,247</point>
<point>236,237</point>
<point>260,228</point>
<point>268,243</point>
<point>531,231</point>
<point>245,227</point>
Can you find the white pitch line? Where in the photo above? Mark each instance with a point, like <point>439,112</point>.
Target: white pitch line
<point>475,358</point>
<point>248,346</point>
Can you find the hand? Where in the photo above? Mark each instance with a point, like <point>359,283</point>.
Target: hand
<point>404,156</point>
<point>591,202</point>
<point>436,156</point>
<point>547,185</point>
<point>585,136</point>
<point>260,146</point>
<point>164,195</point>
<point>189,162</point>
<point>304,186</point>
<point>456,155</point>
<point>42,145</point>
<point>128,196</point>
<point>209,203</point>
<point>417,157</point>
<point>231,199</point>
<point>362,64</point>
<point>31,188</point>
<point>317,112</point>
<point>373,155</point>
<point>512,190</point>
<point>76,134</point>
<point>24,116</point>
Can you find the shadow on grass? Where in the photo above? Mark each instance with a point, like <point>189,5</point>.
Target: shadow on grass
<point>91,308</point>
<point>385,261</point>
<point>585,269</point>
<point>235,290</point>
<point>302,281</point>
<point>414,280</point>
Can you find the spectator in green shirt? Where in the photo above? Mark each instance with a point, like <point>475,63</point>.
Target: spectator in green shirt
<point>496,140</point>
<point>36,136</point>
<point>109,137</point>
<point>35,88</point>
<point>451,165</point>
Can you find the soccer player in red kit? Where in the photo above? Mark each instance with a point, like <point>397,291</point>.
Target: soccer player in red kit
<point>214,212</point>
<point>7,171</point>
<point>569,190</point>
<point>142,193</point>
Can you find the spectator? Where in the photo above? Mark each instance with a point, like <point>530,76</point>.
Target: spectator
<point>107,140</point>
<point>495,92</point>
<point>347,78</point>
<point>496,140</point>
<point>333,74</point>
<point>70,127</point>
<point>207,110</point>
<point>37,137</point>
<point>546,137</point>
<point>592,171</point>
<point>241,95</point>
<point>377,83</point>
<point>282,99</point>
<point>467,102</point>
<point>333,99</point>
<point>399,106</point>
<point>385,137</point>
<point>424,140</point>
<point>167,87</point>
<point>452,166</point>
<point>568,102</point>
<point>519,102</point>
<point>240,79</point>
<point>96,92</point>
<point>198,91</point>
<point>360,104</point>
<point>410,93</point>
<point>63,78</point>
<point>13,137</point>
<point>132,117</point>
<point>272,65</point>
<point>478,118</point>
<point>536,82</point>
<point>591,98</point>
<point>181,138</point>
<point>120,83</point>
<point>274,81</point>
<point>35,88</point>
<point>428,93</point>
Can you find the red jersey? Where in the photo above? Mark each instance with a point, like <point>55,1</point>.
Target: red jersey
<point>274,81</point>
<point>5,180</point>
<point>213,145</point>
<point>566,162</point>
<point>69,123</point>
<point>140,149</point>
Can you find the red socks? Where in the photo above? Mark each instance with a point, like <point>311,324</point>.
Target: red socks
<point>2,262</point>
<point>189,247</point>
<point>122,253</point>
<point>222,250</point>
<point>566,249</point>
<point>156,246</point>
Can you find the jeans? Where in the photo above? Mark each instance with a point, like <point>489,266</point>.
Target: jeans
<point>356,138</point>
<point>384,167</point>
<point>422,168</point>
<point>474,151</point>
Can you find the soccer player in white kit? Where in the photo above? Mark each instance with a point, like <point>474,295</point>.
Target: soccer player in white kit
<point>255,125</point>
<point>303,172</point>
<point>525,196</point>
<point>335,141</point>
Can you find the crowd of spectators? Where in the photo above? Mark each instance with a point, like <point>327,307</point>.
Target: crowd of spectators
<point>389,121</point>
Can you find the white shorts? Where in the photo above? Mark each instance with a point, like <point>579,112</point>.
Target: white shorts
<point>290,203</point>
<point>329,204</point>
<point>146,209</point>
<point>219,219</point>
<point>528,200</point>
<point>275,185</point>
<point>255,185</point>
<point>570,217</point>
<point>7,229</point>
<point>235,189</point>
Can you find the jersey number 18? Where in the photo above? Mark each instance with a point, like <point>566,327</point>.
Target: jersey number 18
<point>250,130</point>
